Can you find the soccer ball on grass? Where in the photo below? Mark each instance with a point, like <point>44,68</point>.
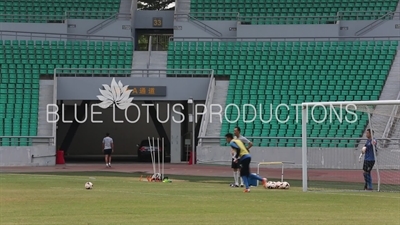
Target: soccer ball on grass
<point>88,185</point>
<point>285,185</point>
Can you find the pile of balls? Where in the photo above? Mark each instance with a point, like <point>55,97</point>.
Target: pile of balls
<point>278,185</point>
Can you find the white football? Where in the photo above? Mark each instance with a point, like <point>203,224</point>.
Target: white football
<point>278,184</point>
<point>273,185</point>
<point>88,185</point>
<point>363,150</point>
<point>285,185</point>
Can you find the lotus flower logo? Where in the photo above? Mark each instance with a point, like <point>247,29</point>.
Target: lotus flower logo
<point>116,94</point>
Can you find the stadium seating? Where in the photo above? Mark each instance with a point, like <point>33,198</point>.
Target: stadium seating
<point>55,9</point>
<point>291,72</point>
<point>23,62</point>
<point>229,9</point>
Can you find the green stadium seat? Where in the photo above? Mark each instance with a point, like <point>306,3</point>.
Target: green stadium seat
<point>290,12</point>
<point>292,72</point>
<point>19,82</point>
<point>56,9</point>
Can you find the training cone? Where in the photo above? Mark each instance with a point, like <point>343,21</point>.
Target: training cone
<point>60,157</point>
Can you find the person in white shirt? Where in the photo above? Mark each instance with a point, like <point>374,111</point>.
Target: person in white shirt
<point>236,166</point>
<point>108,148</point>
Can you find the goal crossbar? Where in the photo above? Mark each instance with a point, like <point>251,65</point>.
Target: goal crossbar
<point>304,116</point>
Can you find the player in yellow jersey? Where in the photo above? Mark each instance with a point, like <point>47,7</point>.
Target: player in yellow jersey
<point>243,157</point>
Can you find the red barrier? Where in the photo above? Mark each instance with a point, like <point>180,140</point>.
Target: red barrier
<point>191,158</point>
<point>60,157</point>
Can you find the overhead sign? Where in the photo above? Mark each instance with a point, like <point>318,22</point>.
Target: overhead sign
<point>157,21</point>
<point>148,91</point>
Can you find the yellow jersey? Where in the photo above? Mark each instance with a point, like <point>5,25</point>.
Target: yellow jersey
<point>235,143</point>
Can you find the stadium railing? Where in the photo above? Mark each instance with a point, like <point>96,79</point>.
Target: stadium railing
<point>96,15</point>
<point>283,39</point>
<point>377,22</point>
<point>235,16</point>
<point>107,21</point>
<point>30,18</point>
<point>286,140</point>
<point>359,15</point>
<point>197,22</point>
<point>24,35</point>
<point>212,15</point>
<point>50,140</point>
<point>115,72</point>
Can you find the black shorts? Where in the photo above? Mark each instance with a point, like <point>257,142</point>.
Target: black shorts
<point>235,165</point>
<point>368,165</point>
<point>245,167</point>
<point>107,151</point>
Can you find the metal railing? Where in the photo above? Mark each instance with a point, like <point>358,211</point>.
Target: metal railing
<point>89,14</point>
<point>254,20</point>
<point>197,22</point>
<point>107,21</point>
<point>376,23</point>
<point>215,15</point>
<point>209,98</point>
<point>107,72</point>
<point>30,18</point>
<point>389,124</point>
<point>24,35</point>
<point>15,140</point>
<point>149,51</point>
<point>277,141</point>
<point>337,38</point>
<point>236,16</point>
<point>360,15</point>
<point>25,18</point>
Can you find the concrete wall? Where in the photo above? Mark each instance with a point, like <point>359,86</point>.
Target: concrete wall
<point>43,155</point>
<point>341,29</point>
<point>81,88</point>
<point>36,27</point>
<point>387,28</point>
<point>328,158</point>
<point>144,19</point>
<point>191,30</point>
<point>80,26</point>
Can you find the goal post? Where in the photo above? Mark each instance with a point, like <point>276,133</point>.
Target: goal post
<point>332,138</point>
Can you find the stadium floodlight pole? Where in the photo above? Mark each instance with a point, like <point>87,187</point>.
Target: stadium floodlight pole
<point>190,101</point>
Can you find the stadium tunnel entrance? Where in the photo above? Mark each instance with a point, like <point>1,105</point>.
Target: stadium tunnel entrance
<point>82,125</point>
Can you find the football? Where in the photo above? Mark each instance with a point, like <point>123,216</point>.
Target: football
<point>285,185</point>
<point>363,150</point>
<point>88,185</point>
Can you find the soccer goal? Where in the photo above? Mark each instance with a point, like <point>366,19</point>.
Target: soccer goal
<point>333,135</point>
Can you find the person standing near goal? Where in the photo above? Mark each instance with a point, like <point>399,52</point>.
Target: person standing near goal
<point>369,160</point>
<point>242,156</point>
<point>236,166</point>
<point>108,148</point>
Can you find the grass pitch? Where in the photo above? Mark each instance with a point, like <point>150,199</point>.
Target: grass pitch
<point>120,198</point>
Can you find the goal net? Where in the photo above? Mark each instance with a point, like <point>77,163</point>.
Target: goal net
<point>333,137</point>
